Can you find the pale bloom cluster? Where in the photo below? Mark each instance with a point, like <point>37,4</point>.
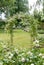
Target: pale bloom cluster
<point>43,56</point>
<point>16,50</point>
<point>9,55</point>
<point>32,64</point>
<point>36,41</point>
<point>30,60</point>
<point>1,63</point>
<point>40,54</point>
<point>30,53</point>
<point>23,59</point>
<point>37,45</point>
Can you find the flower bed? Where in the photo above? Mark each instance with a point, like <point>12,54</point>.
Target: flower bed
<point>15,56</point>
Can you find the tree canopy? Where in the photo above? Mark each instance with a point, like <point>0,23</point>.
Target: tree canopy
<point>14,6</point>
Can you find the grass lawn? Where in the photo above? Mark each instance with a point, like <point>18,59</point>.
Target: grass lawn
<point>21,39</point>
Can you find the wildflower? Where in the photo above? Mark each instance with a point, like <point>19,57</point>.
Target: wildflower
<point>43,57</point>
<point>37,45</point>
<point>40,54</point>
<point>29,53</point>
<point>23,59</point>
<point>9,55</point>
<point>30,60</point>
<point>36,41</point>
<point>1,63</point>
<point>32,64</point>
<point>16,50</point>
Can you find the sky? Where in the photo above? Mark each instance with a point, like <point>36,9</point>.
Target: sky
<point>31,3</point>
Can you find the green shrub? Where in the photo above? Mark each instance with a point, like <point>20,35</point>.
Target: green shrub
<point>41,31</point>
<point>20,57</point>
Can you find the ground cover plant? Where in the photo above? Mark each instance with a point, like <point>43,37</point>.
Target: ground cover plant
<point>22,52</point>
<point>15,56</point>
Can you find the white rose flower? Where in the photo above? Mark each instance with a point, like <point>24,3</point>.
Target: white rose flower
<point>37,45</point>
<point>40,54</point>
<point>43,57</point>
<point>32,64</point>
<point>36,41</point>
<point>29,53</point>
<point>9,55</point>
<point>1,63</point>
<point>30,60</point>
<point>23,59</point>
<point>16,50</point>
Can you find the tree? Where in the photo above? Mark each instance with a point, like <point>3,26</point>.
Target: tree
<point>39,2</point>
<point>22,6</point>
<point>5,3</point>
<point>39,14</point>
<point>5,6</point>
<point>14,6</point>
<point>10,7</point>
<point>19,6</point>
